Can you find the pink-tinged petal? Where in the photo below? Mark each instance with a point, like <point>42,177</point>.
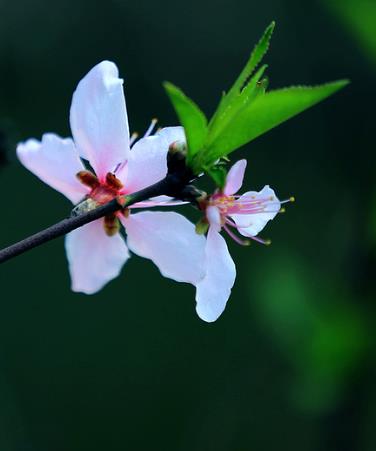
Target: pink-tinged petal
<point>99,119</point>
<point>252,224</point>
<point>213,215</point>
<point>214,290</point>
<point>147,164</point>
<point>94,258</point>
<point>235,177</point>
<point>170,241</point>
<point>159,201</point>
<point>56,162</point>
<point>173,134</point>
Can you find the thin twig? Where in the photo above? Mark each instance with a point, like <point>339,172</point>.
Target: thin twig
<point>165,186</point>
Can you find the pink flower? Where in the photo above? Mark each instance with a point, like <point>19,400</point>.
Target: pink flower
<point>246,214</point>
<point>99,124</point>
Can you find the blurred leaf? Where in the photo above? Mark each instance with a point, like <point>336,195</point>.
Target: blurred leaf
<point>191,118</point>
<point>359,16</point>
<point>265,113</point>
<point>320,331</point>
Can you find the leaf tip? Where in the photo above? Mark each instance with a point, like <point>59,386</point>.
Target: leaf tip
<point>339,84</point>
<point>167,85</point>
<point>271,27</point>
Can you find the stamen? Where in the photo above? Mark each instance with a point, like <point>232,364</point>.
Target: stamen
<point>113,182</point>
<point>120,167</point>
<point>236,238</point>
<point>88,178</point>
<point>133,138</point>
<point>111,224</point>
<point>151,127</point>
<point>261,241</point>
<point>290,199</point>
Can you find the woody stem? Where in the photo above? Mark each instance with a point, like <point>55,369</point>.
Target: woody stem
<point>171,185</point>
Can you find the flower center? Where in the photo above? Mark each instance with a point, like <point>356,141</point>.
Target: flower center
<point>101,193</point>
<point>224,203</point>
<point>251,204</point>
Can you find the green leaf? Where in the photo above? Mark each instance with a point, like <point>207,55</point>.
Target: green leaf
<point>242,81</point>
<point>190,116</point>
<point>265,113</point>
<point>238,102</point>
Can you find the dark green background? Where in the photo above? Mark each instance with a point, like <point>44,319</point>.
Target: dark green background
<point>291,363</point>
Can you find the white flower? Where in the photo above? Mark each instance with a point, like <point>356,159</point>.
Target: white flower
<point>99,124</point>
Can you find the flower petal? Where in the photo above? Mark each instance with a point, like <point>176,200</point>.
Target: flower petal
<point>147,164</point>
<point>159,201</point>
<point>252,224</point>
<point>235,177</point>
<point>94,258</point>
<point>214,290</point>
<point>173,134</point>
<point>99,119</point>
<point>170,241</point>
<point>56,162</point>
<point>214,217</point>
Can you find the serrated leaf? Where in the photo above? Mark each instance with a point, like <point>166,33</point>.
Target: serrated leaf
<point>241,82</point>
<point>190,116</point>
<point>265,113</point>
<point>254,88</point>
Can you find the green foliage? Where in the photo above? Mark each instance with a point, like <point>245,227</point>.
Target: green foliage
<point>359,17</point>
<point>243,86</point>
<point>243,114</point>
<point>316,325</point>
<point>265,112</point>
<point>191,117</point>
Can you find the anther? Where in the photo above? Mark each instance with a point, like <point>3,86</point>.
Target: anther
<point>133,138</point>
<point>88,178</point>
<point>262,241</point>
<point>111,225</point>
<point>113,182</point>
<point>151,127</point>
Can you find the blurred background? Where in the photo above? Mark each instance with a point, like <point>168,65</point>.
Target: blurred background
<point>291,364</point>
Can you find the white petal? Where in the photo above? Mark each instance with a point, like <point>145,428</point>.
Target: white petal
<point>235,177</point>
<point>147,164</point>
<point>56,162</point>
<point>173,134</point>
<point>252,224</point>
<point>99,119</point>
<point>214,217</point>
<point>170,241</point>
<point>94,258</point>
<point>159,201</point>
<point>214,290</point>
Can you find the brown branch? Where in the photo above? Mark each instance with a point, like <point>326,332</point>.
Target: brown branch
<point>171,185</point>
